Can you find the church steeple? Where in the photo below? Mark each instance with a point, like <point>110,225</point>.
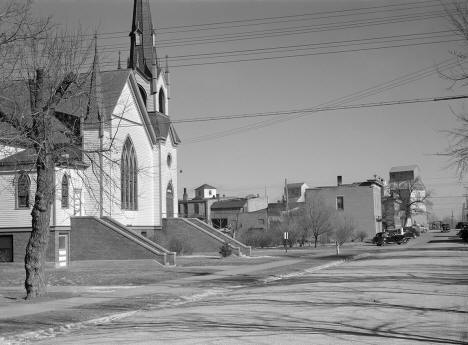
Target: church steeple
<point>142,40</point>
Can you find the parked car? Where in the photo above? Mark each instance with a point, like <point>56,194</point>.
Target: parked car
<point>461,225</point>
<point>411,231</point>
<point>423,229</point>
<point>383,238</point>
<point>445,228</point>
<point>463,233</point>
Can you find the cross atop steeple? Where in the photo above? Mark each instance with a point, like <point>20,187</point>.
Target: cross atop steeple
<point>142,40</point>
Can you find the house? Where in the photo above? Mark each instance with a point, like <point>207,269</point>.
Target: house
<point>136,186</point>
<point>360,200</point>
<point>205,191</point>
<point>200,205</point>
<point>406,183</point>
<point>240,214</point>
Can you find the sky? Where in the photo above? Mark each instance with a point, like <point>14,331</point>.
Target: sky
<point>323,51</point>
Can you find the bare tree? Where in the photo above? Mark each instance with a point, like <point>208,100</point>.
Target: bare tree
<point>315,218</point>
<point>343,230</point>
<point>17,25</point>
<point>457,152</point>
<point>412,196</point>
<point>51,69</point>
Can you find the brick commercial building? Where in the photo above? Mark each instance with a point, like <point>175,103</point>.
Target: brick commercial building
<point>360,200</point>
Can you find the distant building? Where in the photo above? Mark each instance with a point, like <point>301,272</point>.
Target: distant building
<point>240,214</point>
<point>200,205</point>
<point>360,200</point>
<point>205,191</point>
<point>296,191</point>
<point>406,184</point>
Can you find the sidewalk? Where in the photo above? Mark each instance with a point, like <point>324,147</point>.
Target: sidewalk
<point>28,320</point>
<point>93,295</point>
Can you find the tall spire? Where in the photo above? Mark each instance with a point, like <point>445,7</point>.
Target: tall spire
<point>94,109</point>
<point>141,39</point>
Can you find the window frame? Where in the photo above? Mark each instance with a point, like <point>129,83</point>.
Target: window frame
<point>162,101</point>
<point>65,197</point>
<point>129,177</point>
<point>18,205</point>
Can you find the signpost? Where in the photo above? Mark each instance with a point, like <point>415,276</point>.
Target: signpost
<point>285,240</point>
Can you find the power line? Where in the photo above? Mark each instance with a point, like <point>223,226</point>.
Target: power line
<point>320,109</point>
<point>320,14</point>
<point>376,89</point>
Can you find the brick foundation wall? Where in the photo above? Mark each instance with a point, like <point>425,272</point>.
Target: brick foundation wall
<point>199,241</point>
<point>91,240</point>
<point>20,241</point>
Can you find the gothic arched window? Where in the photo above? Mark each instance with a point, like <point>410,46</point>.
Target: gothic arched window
<point>129,177</point>
<point>162,101</point>
<point>65,188</point>
<point>23,185</point>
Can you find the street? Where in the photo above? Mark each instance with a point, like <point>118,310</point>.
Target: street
<point>402,295</point>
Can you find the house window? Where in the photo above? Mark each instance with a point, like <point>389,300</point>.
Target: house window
<point>196,208</point>
<point>22,191</point>
<point>129,177</point>
<point>261,221</point>
<point>65,188</point>
<point>162,101</point>
<point>339,203</point>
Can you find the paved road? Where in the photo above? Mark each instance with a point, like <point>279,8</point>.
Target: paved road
<point>407,295</point>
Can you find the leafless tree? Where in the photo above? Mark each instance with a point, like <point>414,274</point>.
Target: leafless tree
<point>315,218</point>
<point>457,152</point>
<point>343,231</point>
<point>17,25</point>
<point>413,197</point>
<point>52,68</point>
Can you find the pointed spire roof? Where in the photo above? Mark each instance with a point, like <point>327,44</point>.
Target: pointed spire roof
<point>141,39</point>
<point>94,110</point>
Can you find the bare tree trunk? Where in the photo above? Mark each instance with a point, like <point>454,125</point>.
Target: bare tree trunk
<point>337,246</point>
<point>315,242</point>
<point>36,250</point>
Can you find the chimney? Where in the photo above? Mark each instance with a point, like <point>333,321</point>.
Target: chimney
<point>339,180</point>
<point>185,196</point>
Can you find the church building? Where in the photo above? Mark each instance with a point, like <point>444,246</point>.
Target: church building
<point>132,184</point>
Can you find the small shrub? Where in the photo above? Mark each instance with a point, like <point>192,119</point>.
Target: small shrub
<point>180,246</point>
<point>225,250</point>
<point>361,235</point>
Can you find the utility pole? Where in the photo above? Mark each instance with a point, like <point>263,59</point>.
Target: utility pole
<point>451,222</point>
<point>286,194</point>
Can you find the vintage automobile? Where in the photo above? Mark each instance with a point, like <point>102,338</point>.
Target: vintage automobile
<point>411,231</point>
<point>445,228</point>
<point>463,233</point>
<point>383,238</point>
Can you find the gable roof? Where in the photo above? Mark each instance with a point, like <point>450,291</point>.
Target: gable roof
<point>205,186</point>
<point>162,126</point>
